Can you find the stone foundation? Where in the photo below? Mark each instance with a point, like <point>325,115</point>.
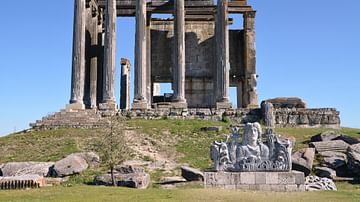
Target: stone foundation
<point>260,181</point>
<point>306,118</point>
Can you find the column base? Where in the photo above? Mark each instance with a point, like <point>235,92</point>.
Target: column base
<point>179,105</point>
<point>108,106</point>
<point>74,107</point>
<point>140,105</point>
<point>223,105</point>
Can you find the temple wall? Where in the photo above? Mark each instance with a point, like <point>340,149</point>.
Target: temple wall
<point>200,58</point>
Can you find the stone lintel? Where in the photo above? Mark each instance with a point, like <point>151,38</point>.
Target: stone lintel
<point>74,107</point>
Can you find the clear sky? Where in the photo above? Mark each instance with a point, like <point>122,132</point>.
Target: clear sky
<point>307,48</point>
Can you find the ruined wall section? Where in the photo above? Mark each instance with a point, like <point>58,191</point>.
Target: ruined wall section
<point>200,57</point>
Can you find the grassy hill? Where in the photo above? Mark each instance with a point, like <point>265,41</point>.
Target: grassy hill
<point>181,140</point>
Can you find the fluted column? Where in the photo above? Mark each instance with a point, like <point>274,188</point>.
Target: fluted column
<point>94,57</point>
<point>108,100</point>
<point>140,101</point>
<point>78,57</point>
<point>250,92</point>
<point>179,37</point>
<point>223,64</point>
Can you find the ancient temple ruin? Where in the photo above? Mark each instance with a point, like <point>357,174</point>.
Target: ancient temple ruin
<point>194,50</point>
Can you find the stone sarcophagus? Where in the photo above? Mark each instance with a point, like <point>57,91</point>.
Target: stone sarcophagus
<point>251,154</point>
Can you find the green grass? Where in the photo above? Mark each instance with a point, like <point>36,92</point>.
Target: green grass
<point>182,136</point>
<point>92,193</point>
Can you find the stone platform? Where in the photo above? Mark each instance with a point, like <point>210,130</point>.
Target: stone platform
<point>259,181</point>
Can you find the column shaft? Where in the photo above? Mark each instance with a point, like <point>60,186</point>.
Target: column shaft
<point>109,56</point>
<point>140,101</point>
<point>223,64</point>
<point>78,61</point>
<point>250,92</point>
<point>179,37</point>
<point>94,58</point>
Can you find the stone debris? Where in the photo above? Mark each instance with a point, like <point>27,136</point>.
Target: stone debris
<point>191,174</point>
<point>25,168</point>
<point>72,164</point>
<point>211,129</point>
<point>303,160</point>
<point>325,172</point>
<point>334,145</point>
<point>22,182</point>
<point>353,156</point>
<point>172,180</point>
<point>334,135</point>
<point>326,136</point>
<point>127,176</point>
<point>314,183</point>
<point>287,102</point>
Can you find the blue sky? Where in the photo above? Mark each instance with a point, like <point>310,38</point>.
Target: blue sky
<point>307,48</point>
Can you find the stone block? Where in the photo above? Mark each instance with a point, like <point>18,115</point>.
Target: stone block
<point>271,178</point>
<point>247,178</point>
<point>286,178</point>
<point>223,105</point>
<point>243,186</point>
<point>292,188</point>
<point>140,105</point>
<point>74,107</point>
<point>265,187</point>
<point>260,178</point>
<point>278,188</point>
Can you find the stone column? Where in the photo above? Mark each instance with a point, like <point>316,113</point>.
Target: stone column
<point>148,60</point>
<point>108,100</point>
<point>78,58</point>
<point>250,92</point>
<point>223,65</point>
<point>140,101</point>
<point>125,84</point>
<point>179,70</point>
<point>239,92</point>
<point>94,57</point>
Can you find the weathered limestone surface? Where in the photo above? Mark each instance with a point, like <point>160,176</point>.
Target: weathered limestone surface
<point>71,119</point>
<point>287,102</point>
<point>108,99</point>
<point>307,118</point>
<point>140,101</point>
<point>191,174</point>
<point>126,175</point>
<point>25,168</point>
<point>334,145</point>
<point>75,164</point>
<point>22,182</point>
<point>250,98</point>
<point>353,155</point>
<point>78,58</point>
<point>261,181</point>
<point>222,49</point>
<point>314,183</point>
<point>179,41</point>
<point>303,160</point>
<point>125,84</point>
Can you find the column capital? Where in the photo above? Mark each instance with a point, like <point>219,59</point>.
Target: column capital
<point>250,14</point>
